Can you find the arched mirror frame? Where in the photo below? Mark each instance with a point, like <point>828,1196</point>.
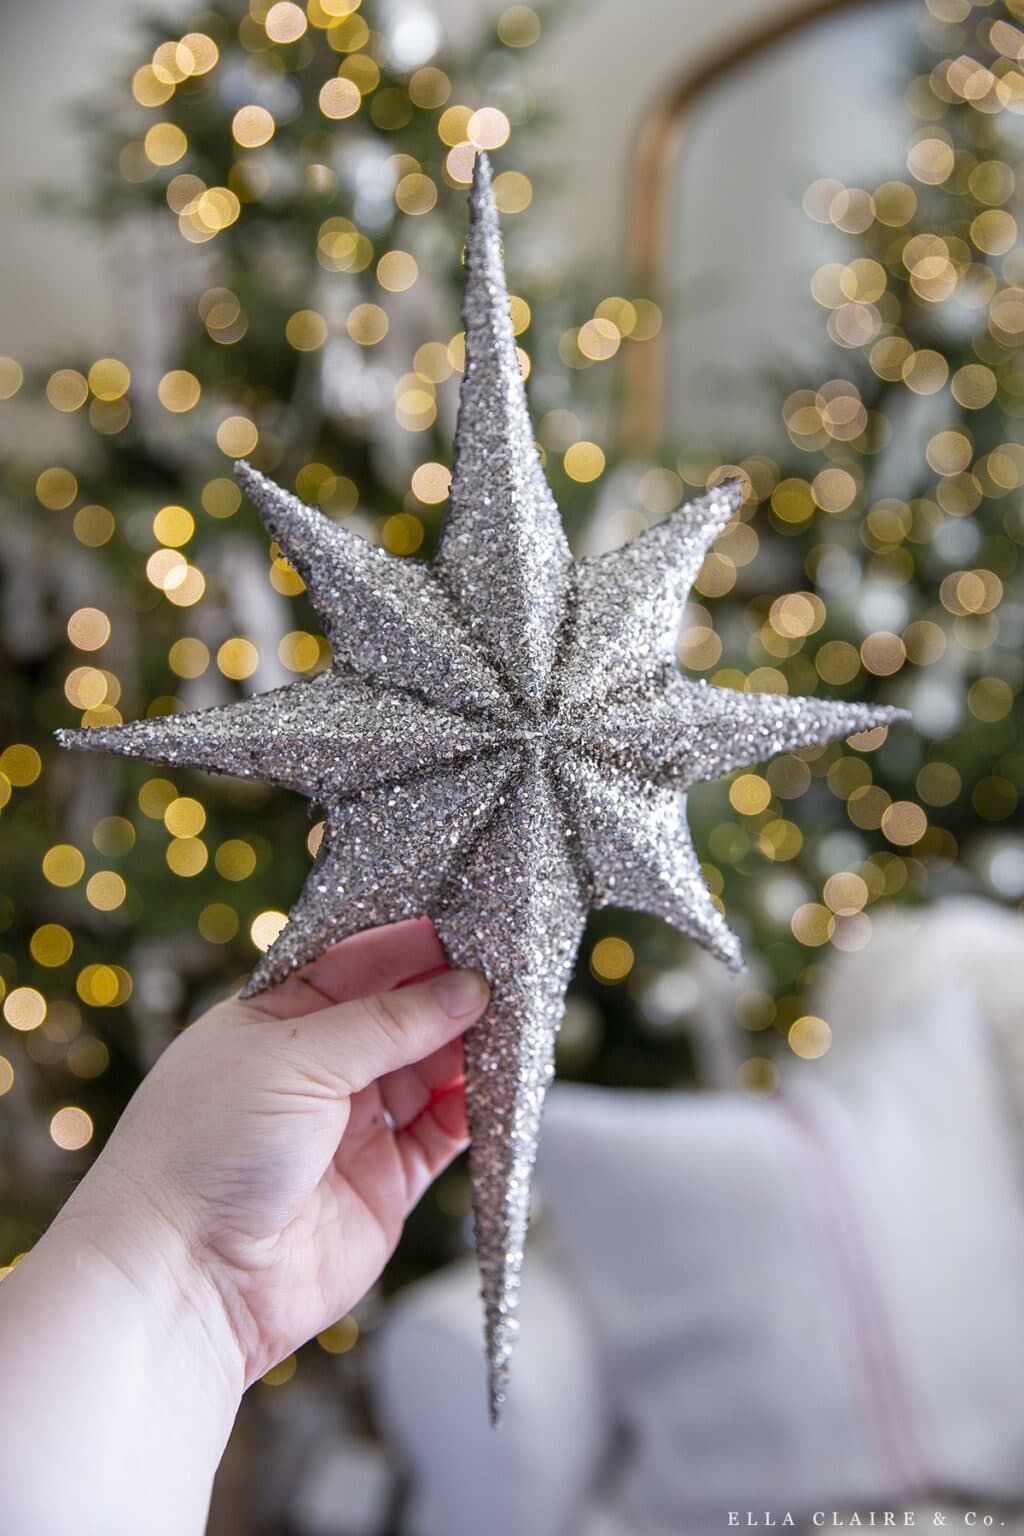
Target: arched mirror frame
<point>659,143</point>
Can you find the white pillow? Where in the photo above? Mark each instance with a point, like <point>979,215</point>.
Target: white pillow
<point>806,1300</point>
<point>430,1395</point>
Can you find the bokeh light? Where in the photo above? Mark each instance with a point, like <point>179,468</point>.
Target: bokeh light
<point>71,1128</point>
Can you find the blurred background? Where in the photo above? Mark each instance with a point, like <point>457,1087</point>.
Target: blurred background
<point>779,241</point>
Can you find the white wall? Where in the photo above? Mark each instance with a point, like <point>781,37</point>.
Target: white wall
<point>53,284</point>
<point>830,104</point>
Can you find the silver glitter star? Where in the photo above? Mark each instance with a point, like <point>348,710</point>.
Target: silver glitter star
<point>503,742</point>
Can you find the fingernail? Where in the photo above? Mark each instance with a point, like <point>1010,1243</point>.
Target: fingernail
<point>460,992</point>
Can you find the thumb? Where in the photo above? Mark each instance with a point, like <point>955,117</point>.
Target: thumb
<point>359,1041</point>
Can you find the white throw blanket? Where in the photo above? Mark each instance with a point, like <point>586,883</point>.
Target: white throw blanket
<point>798,1306</point>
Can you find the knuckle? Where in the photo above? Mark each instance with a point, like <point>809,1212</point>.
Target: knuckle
<point>389,1015</point>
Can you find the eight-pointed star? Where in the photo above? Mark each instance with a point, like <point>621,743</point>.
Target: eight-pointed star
<point>503,742</point>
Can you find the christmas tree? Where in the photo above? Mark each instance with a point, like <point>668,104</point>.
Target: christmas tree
<point>899,519</point>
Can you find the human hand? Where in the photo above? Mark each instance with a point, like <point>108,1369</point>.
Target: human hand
<point>250,1194</point>
<point>272,1154</point>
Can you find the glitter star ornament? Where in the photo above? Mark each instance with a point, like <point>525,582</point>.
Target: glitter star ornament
<point>503,742</point>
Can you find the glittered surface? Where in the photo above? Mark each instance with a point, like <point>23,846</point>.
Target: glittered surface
<point>503,742</point>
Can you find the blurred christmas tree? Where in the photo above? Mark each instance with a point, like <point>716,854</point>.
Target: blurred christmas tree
<point>891,563</point>
<point>903,532</point>
<point>290,185</point>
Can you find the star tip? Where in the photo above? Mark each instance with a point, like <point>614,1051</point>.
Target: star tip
<point>714,507</point>
<point>733,957</point>
<point>481,197</point>
<point>281,512</point>
<point>496,1385</point>
<point>725,946</point>
<point>883,716</point>
<point>259,980</point>
<point>245,474</point>
<point>74,738</point>
<point>732,492</point>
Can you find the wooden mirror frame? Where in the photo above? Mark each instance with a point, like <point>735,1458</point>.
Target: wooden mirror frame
<point>659,141</point>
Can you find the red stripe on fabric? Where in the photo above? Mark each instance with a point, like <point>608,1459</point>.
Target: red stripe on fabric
<point>884,1383</point>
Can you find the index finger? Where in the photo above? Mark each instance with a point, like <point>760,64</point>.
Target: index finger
<point>377,960</point>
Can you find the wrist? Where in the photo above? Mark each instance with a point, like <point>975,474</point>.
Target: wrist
<point>108,1322</point>
<point>114,1232</point>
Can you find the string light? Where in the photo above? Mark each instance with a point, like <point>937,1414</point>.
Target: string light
<point>71,1129</point>
<point>611,959</point>
<point>237,436</point>
<point>252,127</point>
<point>265,928</point>
<point>367,324</point>
<point>340,98</point>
